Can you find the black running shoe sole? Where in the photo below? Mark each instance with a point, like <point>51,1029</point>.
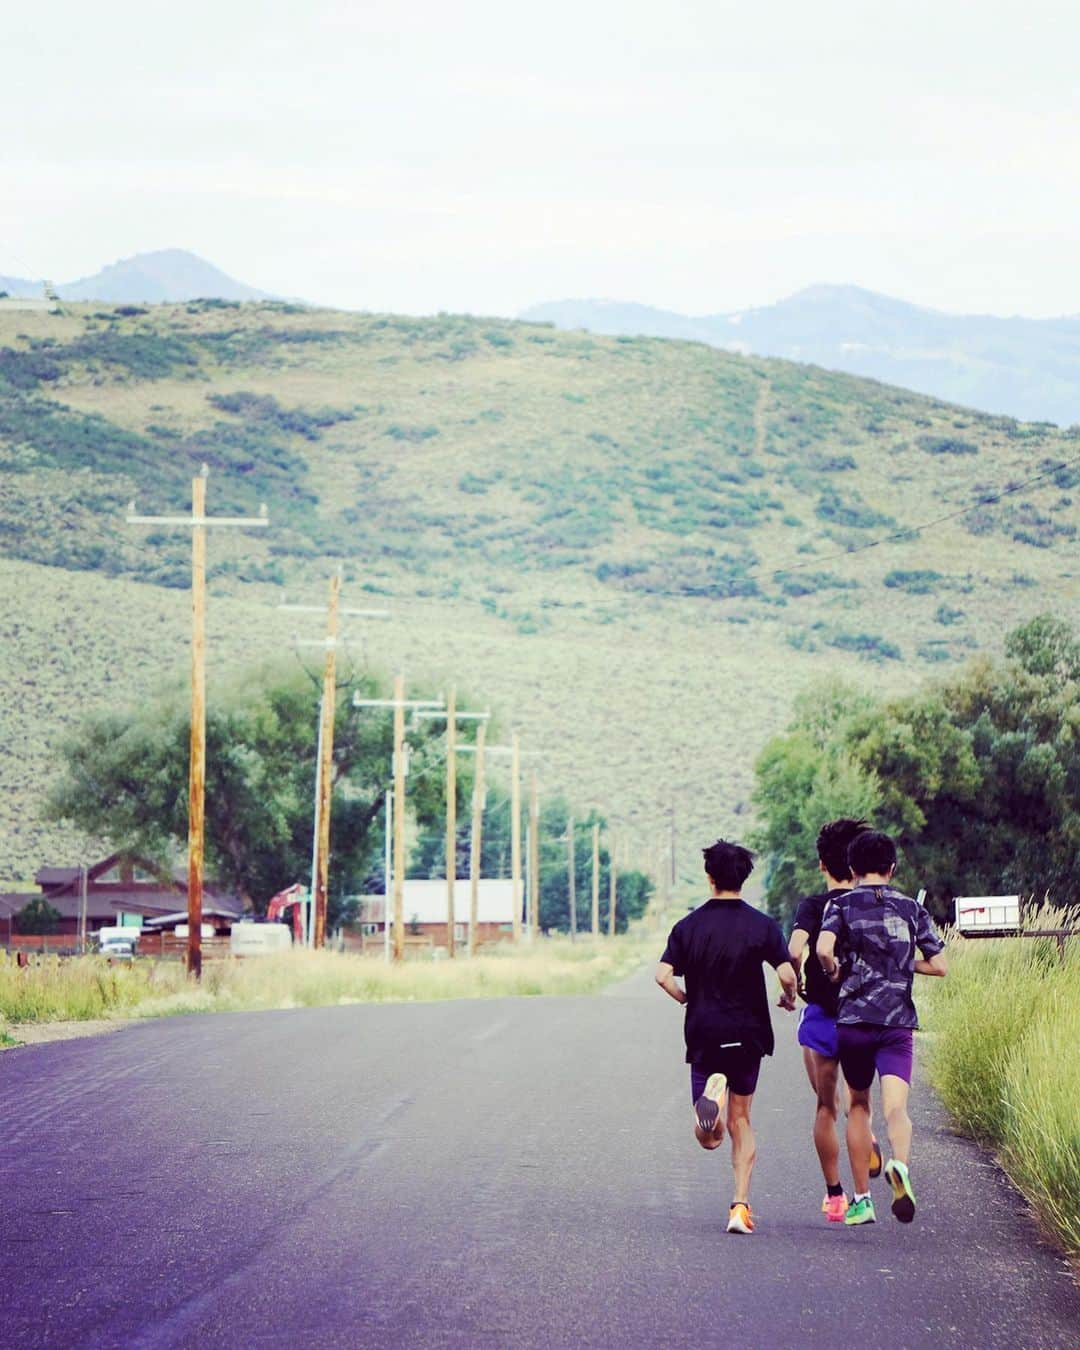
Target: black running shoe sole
<point>708,1113</point>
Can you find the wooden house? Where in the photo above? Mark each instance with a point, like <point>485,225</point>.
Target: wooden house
<point>117,891</point>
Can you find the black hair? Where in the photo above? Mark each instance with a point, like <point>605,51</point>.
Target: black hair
<point>833,842</point>
<point>728,865</point>
<point>871,851</point>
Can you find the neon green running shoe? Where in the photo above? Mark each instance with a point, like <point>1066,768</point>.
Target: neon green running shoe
<point>903,1205</point>
<point>860,1211</point>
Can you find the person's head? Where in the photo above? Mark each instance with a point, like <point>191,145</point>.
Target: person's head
<point>833,843</point>
<point>727,865</point>
<point>871,854</point>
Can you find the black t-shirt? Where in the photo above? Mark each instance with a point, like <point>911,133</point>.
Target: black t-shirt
<point>719,950</point>
<point>818,987</point>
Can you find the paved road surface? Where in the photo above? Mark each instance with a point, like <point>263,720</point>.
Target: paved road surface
<point>501,1173</point>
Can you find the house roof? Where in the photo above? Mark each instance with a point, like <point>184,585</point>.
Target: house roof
<point>181,916</point>
<point>61,886</point>
<point>425,902</point>
<point>65,878</point>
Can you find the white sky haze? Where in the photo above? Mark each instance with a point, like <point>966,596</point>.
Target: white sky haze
<point>693,154</point>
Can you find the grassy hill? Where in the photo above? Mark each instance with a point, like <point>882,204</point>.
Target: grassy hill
<point>637,549</point>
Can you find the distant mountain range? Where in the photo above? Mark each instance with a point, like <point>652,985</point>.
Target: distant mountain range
<point>166,275</point>
<point>1025,368</point>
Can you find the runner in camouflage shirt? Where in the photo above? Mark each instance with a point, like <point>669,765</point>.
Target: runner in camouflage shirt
<point>868,944</point>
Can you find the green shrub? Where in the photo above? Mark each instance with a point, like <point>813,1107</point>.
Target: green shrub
<point>920,581</point>
<point>870,646</point>
<point>851,510</point>
<point>945,445</point>
<point>415,434</point>
<point>265,410</point>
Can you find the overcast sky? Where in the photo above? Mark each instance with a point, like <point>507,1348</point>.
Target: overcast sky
<point>484,155</point>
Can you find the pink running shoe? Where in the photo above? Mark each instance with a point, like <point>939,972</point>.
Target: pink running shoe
<point>834,1207</point>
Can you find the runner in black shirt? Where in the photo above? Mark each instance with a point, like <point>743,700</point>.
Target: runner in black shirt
<point>719,950</point>
<point>817,1022</point>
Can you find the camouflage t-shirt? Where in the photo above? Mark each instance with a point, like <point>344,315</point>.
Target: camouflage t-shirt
<point>877,931</point>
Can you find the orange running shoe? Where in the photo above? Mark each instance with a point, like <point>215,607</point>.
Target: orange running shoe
<point>875,1157</point>
<point>740,1220</point>
<point>834,1207</point>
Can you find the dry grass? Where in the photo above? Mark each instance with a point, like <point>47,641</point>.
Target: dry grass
<point>1004,1028</point>
<point>55,989</point>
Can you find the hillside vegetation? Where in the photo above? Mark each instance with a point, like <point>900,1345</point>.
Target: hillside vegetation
<point>636,549</point>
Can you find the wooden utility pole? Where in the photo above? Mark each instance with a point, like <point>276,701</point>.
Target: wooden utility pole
<point>326,758</point>
<point>197,523</point>
<point>595,880</point>
<point>315,925</point>
<point>453,716</point>
<point>399,817</point>
<point>451,817</point>
<point>515,831</point>
<point>477,843</point>
<point>400,768</point>
<point>571,875</point>
<point>534,859</point>
<point>613,887</point>
<point>197,758</point>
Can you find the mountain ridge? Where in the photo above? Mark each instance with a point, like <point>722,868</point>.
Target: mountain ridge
<point>160,276</point>
<point>1012,366</point>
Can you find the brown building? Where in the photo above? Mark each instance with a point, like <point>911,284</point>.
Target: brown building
<point>118,890</point>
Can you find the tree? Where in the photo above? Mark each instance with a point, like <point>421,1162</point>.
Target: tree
<point>978,778</point>
<point>38,917</point>
<point>634,888</point>
<point>126,776</point>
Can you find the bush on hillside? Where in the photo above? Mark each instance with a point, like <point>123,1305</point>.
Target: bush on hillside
<point>946,445</point>
<point>870,646</point>
<point>919,581</point>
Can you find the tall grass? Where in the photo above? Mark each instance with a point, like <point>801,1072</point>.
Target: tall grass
<point>1005,1027</point>
<point>54,989</point>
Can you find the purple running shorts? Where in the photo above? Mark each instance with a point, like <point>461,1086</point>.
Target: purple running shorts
<point>866,1049</point>
<point>817,1031</point>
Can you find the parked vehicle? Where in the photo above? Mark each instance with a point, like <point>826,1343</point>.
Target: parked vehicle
<point>117,946</point>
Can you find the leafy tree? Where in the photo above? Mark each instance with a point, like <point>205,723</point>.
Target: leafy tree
<point>633,888</point>
<point>126,781</point>
<point>38,917</point>
<point>978,778</point>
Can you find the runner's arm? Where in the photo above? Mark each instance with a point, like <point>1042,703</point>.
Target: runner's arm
<point>826,954</point>
<point>931,959</point>
<point>790,983</point>
<point>665,978</point>
<point>797,947</point>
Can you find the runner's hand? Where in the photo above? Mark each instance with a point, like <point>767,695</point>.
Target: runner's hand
<point>787,1002</point>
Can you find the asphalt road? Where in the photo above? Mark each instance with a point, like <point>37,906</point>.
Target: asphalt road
<point>490,1173</point>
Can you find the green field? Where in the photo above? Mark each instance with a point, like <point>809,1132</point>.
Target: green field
<point>584,532</point>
